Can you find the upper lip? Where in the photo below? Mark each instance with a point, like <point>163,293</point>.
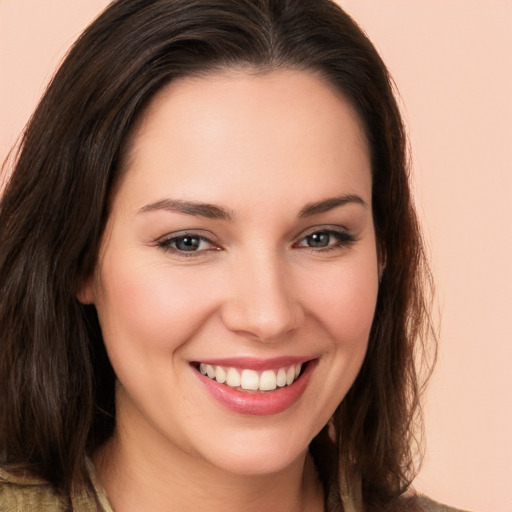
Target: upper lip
<point>254,363</point>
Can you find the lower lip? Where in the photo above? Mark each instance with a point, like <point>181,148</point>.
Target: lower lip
<point>258,404</point>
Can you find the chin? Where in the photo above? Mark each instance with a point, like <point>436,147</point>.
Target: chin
<point>258,464</point>
<point>260,452</point>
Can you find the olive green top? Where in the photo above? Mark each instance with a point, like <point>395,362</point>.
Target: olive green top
<point>28,494</point>
<point>24,494</point>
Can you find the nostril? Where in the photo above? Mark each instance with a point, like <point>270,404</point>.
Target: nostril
<point>268,322</point>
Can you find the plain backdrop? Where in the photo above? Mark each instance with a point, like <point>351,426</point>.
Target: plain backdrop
<point>452,62</point>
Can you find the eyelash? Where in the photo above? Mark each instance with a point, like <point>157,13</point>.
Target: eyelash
<point>342,239</point>
<point>166,244</point>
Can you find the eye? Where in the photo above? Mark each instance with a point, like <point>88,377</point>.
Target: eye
<point>187,244</point>
<point>326,239</point>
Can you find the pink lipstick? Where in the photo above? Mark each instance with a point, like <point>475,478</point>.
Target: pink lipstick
<point>256,386</point>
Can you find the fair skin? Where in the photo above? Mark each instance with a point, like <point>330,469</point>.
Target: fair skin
<point>277,266</point>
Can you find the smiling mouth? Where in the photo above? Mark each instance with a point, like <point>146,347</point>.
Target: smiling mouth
<point>252,381</point>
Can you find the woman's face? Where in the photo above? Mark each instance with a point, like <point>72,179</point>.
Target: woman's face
<point>240,245</point>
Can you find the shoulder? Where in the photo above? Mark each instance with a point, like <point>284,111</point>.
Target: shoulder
<point>27,494</point>
<point>428,505</point>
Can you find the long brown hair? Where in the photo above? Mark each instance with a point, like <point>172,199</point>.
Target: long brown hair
<point>57,383</point>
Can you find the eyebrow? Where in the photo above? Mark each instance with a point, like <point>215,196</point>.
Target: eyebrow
<point>329,204</point>
<point>211,211</point>
<point>196,209</point>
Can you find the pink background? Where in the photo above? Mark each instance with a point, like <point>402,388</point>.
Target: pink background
<point>452,62</point>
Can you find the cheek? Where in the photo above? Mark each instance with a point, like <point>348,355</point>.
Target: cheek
<point>345,302</point>
<point>148,305</point>
<point>342,305</point>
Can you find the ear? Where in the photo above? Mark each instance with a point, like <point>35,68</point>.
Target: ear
<point>86,294</point>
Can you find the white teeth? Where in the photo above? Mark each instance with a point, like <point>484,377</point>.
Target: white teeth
<point>210,371</point>
<point>220,374</point>
<point>232,378</point>
<point>281,378</point>
<point>268,380</point>
<point>250,380</point>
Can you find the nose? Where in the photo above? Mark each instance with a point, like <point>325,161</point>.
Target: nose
<point>262,303</point>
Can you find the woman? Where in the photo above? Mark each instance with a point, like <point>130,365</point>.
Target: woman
<point>213,279</point>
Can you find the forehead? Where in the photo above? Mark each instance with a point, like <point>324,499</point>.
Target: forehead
<point>262,131</point>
